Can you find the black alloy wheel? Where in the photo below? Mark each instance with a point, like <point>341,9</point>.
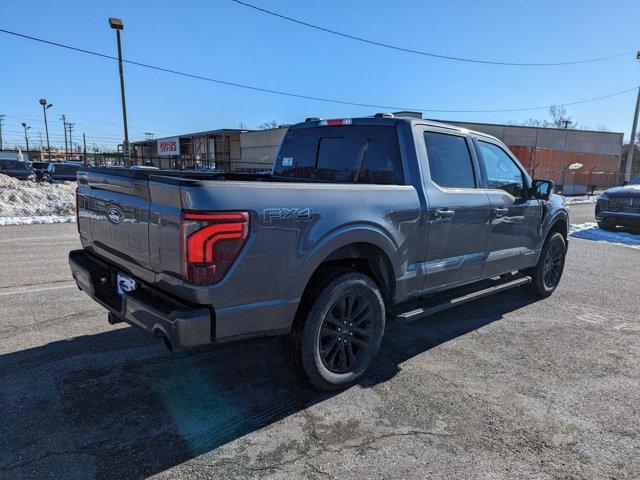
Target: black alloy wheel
<point>346,333</point>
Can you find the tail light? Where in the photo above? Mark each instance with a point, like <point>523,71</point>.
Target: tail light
<point>336,121</point>
<point>210,243</point>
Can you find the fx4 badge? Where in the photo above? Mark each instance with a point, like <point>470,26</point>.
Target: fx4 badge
<point>271,214</point>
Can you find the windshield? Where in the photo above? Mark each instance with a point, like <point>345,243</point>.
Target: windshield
<point>13,165</point>
<point>635,180</point>
<point>64,169</point>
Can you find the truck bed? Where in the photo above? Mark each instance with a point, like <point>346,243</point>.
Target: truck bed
<point>132,221</point>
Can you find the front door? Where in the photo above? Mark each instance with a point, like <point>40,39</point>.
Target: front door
<point>515,215</point>
<point>458,211</point>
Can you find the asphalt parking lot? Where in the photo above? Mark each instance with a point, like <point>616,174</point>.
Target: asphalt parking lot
<point>506,387</point>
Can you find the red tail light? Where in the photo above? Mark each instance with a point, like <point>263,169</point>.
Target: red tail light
<point>210,243</point>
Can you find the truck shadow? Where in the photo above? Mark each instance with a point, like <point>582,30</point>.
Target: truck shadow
<point>116,405</point>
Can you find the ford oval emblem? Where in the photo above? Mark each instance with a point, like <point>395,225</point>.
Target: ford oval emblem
<point>115,214</point>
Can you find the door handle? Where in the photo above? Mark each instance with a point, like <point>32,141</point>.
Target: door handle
<point>500,212</point>
<point>444,213</point>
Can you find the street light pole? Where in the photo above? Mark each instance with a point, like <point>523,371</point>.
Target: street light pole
<point>43,102</point>
<point>26,138</point>
<point>117,25</point>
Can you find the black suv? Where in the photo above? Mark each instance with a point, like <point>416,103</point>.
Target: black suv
<point>620,206</point>
<point>17,169</point>
<point>62,172</point>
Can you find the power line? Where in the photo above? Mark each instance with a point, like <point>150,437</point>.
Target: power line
<point>309,97</point>
<point>38,118</point>
<point>429,54</point>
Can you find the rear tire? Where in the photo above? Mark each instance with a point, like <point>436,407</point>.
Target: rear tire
<point>335,343</point>
<point>546,275</point>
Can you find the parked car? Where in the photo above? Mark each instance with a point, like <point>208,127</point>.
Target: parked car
<point>62,172</point>
<point>17,169</point>
<point>39,169</point>
<point>619,206</point>
<point>144,167</point>
<point>362,220</point>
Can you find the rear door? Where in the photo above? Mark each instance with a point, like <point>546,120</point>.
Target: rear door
<point>515,216</point>
<point>458,210</point>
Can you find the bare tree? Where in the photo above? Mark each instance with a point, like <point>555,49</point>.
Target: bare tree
<point>268,125</point>
<point>533,122</point>
<point>242,126</point>
<point>559,117</point>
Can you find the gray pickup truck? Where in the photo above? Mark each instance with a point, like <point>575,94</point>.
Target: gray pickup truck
<point>360,221</point>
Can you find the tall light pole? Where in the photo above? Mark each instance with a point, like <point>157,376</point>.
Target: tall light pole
<point>117,25</point>
<point>45,106</point>
<point>26,138</point>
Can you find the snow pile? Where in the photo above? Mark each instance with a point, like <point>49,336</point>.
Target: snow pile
<point>24,202</point>
<point>591,231</point>
<point>581,200</point>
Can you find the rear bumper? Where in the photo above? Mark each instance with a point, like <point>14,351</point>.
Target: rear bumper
<point>181,324</point>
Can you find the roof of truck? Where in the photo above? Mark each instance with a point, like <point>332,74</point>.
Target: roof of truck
<point>391,121</point>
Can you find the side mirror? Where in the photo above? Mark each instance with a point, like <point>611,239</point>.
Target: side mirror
<point>626,182</point>
<point>542,189</point>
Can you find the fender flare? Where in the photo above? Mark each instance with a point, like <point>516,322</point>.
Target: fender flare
<point>341,237</point>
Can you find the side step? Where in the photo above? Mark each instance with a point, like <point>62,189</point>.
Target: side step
<point>437,304</point>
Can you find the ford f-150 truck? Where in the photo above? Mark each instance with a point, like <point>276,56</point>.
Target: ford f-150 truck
<point>360,221</point>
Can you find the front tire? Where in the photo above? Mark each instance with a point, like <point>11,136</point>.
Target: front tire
<point>336,342</point>
<point>606,225</point>
<point>545,276</point>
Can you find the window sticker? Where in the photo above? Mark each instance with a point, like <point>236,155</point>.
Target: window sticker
<point>287,161</point>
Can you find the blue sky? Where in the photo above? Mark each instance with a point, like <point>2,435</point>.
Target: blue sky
<point>224,40</point>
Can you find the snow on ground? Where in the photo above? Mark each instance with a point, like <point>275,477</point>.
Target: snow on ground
<point>23,202</point>
<point>582,199</point>
<point>591,231</point>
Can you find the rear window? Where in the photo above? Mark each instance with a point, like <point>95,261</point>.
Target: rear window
<point>13,165</point>
<point>362,154</point>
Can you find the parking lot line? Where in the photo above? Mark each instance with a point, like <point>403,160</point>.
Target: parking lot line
<point>30,289</point>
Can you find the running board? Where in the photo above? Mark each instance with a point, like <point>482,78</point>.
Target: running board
<point>430,308</point>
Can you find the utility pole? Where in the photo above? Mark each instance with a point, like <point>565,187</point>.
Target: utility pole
<point>26,137</point>
<point>64,125</point>
<point>632,140</point>
<point>84,142</point>
<point>1,120</point>
<point>117,25</point>
<point>70,127</point>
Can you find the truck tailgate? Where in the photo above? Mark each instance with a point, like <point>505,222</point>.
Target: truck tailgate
<point>117,210</point>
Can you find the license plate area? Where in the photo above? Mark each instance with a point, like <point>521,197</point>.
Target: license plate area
<point>125,284</point>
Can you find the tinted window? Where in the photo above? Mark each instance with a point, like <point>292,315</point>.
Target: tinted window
<point>363,154</point>
<point>66,169</point>
<point>449,160</point>
<point>502,173</point>
<point>11,165</point>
